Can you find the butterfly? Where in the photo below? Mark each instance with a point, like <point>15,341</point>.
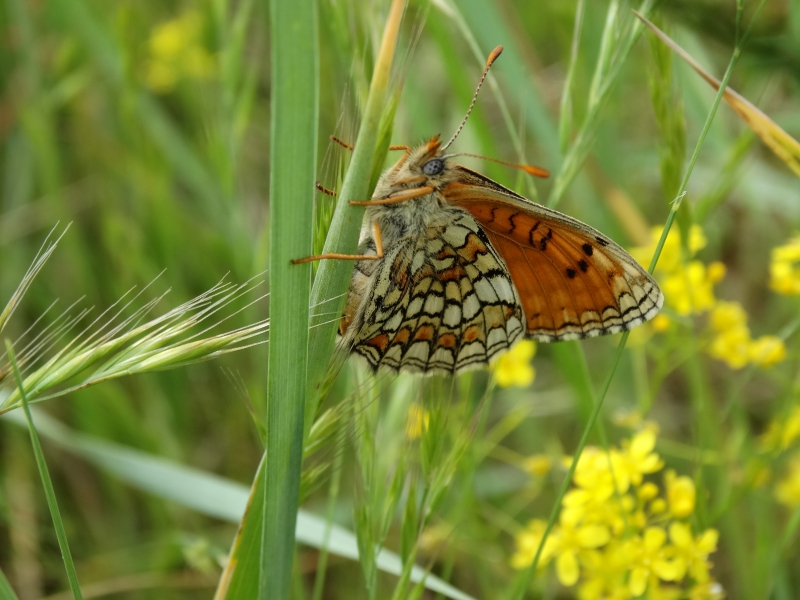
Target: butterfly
<point>454,269</point>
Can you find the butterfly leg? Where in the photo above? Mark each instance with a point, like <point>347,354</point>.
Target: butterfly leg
<point>324,190</point>
<point>342,143</point>
<point>378,251</point>
<point>347,146</point>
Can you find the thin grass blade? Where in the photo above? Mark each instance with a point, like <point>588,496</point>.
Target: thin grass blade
<point>333,276</point>
<point>47,483</point>
<point>44,253</point>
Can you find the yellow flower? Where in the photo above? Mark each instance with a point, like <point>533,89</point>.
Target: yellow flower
<point>680,494</point>
<point>418,421</point>
<point>670,258</point>
<point>787,491</point>
<point>176,51</point>
<point>782,432</point>
<point>527,544</point>
<point>569,540</point>
<point>690,554</point>
<point>767,350</point>
<point>716,271</point>
<point>733,343</point>
<point>710,590</point>
<point>732,346</point>
<point>600,473</point>
<point>627,418</point>
<point>647,491</point>
<point>639,459</point>
<point>538,464</point>
<point>661,323</point>
<point>784,268</point>
<point>647,560</point>
<point>657,506</point>
<point>691,290</point>
<point>726,316</point>
<point>514,367</point>
<point>597,474</point>
<point>759,473</point>
<point>664,592</point>
<point>605,574</point>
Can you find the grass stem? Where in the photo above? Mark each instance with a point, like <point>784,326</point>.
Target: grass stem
<point>47,483</point>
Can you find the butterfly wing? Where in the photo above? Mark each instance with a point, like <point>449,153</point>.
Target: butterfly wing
<point>440,302</point>
<point>572,280</point>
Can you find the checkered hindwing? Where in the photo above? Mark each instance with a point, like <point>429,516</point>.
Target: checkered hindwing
<point>441,302</point>
<point>574,282</point>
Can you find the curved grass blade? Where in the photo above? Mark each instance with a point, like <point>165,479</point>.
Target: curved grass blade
<point>781,143</point>
<point>108,349</point>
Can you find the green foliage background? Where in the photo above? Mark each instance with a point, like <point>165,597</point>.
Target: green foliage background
<point>177,178</point>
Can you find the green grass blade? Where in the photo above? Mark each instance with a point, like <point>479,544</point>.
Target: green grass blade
<point>47,483</point>
<point>216,497</point>
<point>6,592</point>
<point>293,164</point>
<point>333,276</point>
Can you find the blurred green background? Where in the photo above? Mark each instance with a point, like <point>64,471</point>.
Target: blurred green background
<point>146,125</point>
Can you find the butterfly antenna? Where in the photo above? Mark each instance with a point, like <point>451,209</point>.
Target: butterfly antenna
<point>492,57</point>
<point>529,169</point>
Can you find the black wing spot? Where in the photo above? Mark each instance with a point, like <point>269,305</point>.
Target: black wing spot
<point>601,241</point>
<point>587,249</point>
<point>571,273</point>
<point>511,220</point>
<point>530,234</point>
<point>583,265</point>
<point>543,244</point>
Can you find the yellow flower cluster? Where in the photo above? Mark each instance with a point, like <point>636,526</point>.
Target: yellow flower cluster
<point>689,290</point>
<point>617,537</point>
<point>538,465</point>
<point>514,368</point>
<point>782,431</point>
<point>176,51</point>
<point>784,268</point>
<point>732,342</point>
<point>787,490</point>
<point>780,436</point>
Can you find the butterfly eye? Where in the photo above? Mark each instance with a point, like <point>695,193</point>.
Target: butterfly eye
<point>433,167</point>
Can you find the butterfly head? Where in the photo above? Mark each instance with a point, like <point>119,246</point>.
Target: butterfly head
<point>427,166</point>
